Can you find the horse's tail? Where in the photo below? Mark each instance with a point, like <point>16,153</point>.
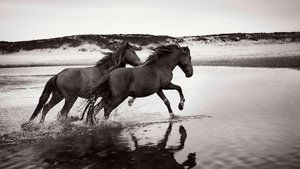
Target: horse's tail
<point>49,88</point>
<point>102,90</point>
<point>91,105</point>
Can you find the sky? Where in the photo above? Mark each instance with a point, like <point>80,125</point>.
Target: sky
<point>37,19</point>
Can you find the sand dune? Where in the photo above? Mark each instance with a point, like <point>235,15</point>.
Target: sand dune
<point>252,50</point>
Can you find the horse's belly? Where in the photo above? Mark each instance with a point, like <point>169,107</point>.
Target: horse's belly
<point>142,90</point>
<point>141,93</point>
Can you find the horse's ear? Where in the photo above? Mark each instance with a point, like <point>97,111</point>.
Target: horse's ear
<point>125,44</point>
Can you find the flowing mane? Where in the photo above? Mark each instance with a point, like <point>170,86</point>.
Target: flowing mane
<point>112,60</point>
<point>159,52</point>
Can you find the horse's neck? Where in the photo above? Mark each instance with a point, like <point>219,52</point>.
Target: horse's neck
<point>118,65</point>
<point>167,62</point>
<point>111,65</point>
<point>122,64</point>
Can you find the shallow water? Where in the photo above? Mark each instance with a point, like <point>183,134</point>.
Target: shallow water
<point>233,118</point>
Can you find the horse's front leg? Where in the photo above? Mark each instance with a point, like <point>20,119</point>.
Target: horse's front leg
<point>172,86</point>
<point>161,94</point>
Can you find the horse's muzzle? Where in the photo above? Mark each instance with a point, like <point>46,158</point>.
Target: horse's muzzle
<point>189,74</point>
<point>188,71</point>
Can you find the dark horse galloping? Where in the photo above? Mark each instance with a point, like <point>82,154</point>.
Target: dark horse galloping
<point>151,77</point>
<point>72,83</point>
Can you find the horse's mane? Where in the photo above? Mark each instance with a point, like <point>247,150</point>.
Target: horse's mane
<point>112,60</point>
<point>159,52</point>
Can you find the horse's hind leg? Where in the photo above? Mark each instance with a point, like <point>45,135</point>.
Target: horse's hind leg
<point>93,111</point>
<point>55,99</point>
<point>112,104</point>
<point>67,106</point>
<point>161,94</point>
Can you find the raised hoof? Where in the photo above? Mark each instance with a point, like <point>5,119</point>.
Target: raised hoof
<point>180,105</point>
<point>130,102</point>
<point>182,130</point>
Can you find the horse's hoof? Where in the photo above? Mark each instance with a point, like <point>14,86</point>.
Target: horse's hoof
<point>105,118</point>
<point>130,103</point>
<point>29,126</point>
<point>60,117</point>
<point>180,105</point>
<point>25,125</point>
<point>90,123</point>
<point>182,130</point>
<point>74,118</point>
<point>172,115</point>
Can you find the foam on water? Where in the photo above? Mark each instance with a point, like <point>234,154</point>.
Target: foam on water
<point>33,132</point>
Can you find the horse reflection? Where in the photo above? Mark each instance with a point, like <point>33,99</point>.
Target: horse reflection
<point>109,148</point>
<point>159,156</point>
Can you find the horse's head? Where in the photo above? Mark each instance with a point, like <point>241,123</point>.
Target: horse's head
<point>130,56</point>
<point>185,62</point>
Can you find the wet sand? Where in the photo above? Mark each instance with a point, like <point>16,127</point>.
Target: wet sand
<point>233,118</point>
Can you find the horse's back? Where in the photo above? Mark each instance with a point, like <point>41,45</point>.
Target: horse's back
<point>78,81</point>
<point>69,75</point>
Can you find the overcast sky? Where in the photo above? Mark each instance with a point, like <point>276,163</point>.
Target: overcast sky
<point>35,19</point>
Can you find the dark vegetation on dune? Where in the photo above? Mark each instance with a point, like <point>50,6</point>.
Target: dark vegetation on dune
<point>113,41</point>
<point>282,37</point>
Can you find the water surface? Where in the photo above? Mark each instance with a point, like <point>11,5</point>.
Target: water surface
<point>233,118</point>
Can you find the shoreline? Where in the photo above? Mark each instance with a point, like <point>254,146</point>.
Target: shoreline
<point>259,62</point>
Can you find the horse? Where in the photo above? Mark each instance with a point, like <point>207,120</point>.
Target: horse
<point>72,83</point>
<point>153,76</point>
